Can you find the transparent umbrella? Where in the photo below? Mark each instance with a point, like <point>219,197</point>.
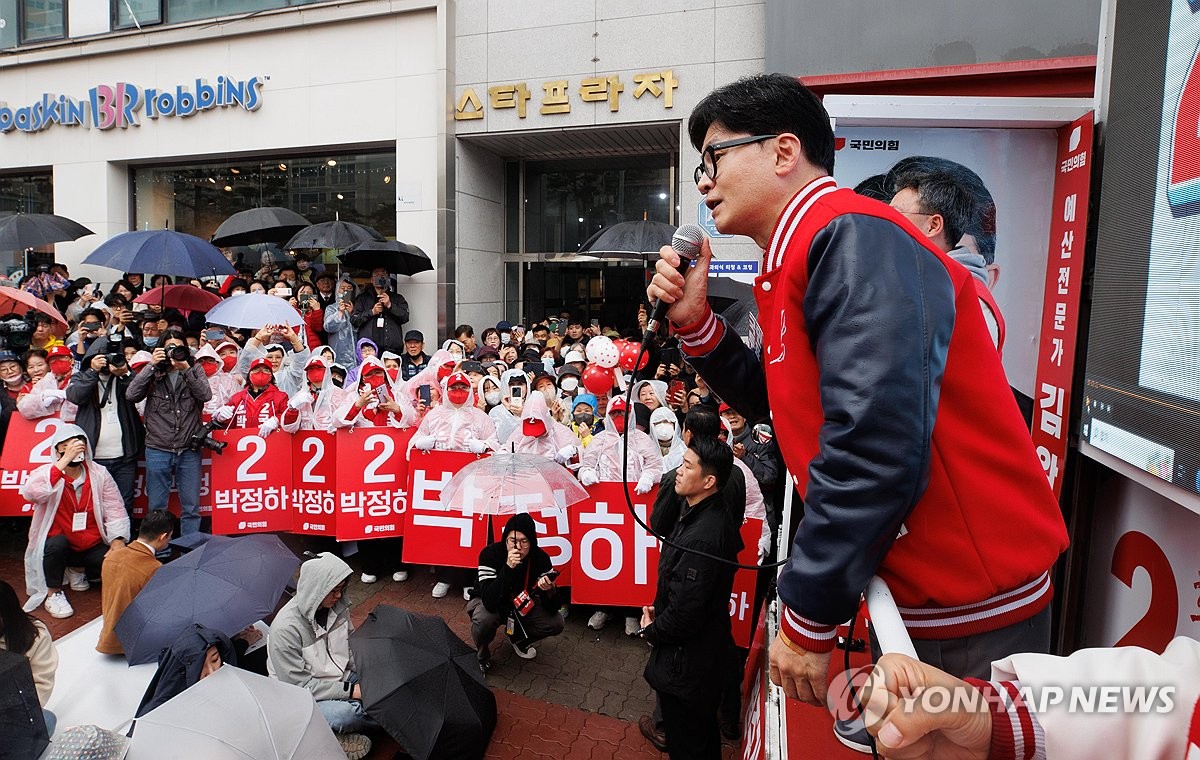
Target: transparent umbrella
<point>506,483</point>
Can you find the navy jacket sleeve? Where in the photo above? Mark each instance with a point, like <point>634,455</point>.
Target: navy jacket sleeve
<point>735,373</point>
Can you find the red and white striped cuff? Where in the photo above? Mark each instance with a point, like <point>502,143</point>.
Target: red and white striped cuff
<point>1016,735</point>
<point>702,336</point>
<point>1006,608</point>
<point>809,634</point>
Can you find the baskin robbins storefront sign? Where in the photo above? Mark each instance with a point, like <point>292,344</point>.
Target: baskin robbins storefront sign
<point>123,104</point>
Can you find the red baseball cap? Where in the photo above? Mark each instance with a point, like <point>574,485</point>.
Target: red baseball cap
<point>58,351</point>
<point>264,363</point>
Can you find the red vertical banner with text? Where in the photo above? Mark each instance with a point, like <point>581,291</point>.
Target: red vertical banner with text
<point>252,483</point>
<point>27,446</point>
<point>553,526</point>
<point>372,482</point>
<point>1060,306</point>
<point>616,560</point>
<point>437,534</point>
<point>741,598</point>
<point>314,482</point>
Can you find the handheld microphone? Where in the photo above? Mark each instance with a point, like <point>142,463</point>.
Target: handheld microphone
<point>685,242</point>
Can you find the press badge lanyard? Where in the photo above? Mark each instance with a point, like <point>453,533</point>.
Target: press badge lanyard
<point>79,506</point>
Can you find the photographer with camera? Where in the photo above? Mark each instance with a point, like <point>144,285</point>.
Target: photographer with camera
<point>175,390</point>
<point>380,313</point>
<point>91,328</point>
<point>110,419</point>
<point>48,396</point>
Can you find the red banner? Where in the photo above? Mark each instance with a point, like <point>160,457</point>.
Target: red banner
<point>438,535</point>
<point>26,447</point>
<point>314,495</point>
<point>553,526</point>
<point>251,497</point>
<point>1060,306</point>
<point>741,600</point>
<point>616,560</point>
<point>372,478</point>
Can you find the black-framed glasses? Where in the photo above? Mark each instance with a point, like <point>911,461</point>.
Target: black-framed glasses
<point>708,158</point>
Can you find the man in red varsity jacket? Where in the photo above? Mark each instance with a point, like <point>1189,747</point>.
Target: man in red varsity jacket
<point>894,413</point>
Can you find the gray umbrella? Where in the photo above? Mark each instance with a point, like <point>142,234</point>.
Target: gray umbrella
<point>21,231</point>
<point>631,240</point>
<point>270,224</point>
<point>335,234</point>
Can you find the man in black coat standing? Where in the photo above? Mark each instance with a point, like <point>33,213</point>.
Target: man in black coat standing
<point>380,313</point>
<point>688,626</point>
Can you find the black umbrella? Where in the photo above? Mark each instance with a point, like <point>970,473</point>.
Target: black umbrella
<point>733,300</point>
<point>629,239</point>
<point>21,231</point>
<point>335,234</point>
<point>423,684</point>
<point>392,255</point>
<point>22,725</point>
<point>270,224</point>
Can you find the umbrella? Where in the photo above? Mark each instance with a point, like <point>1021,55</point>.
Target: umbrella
<point>23,302</point>
<point>733,300</point>
<point>87,742</point>
<point>183,297</point>
<point>21,231</point>
<point>423,684</point>
<point>226,584</point>
<point>254,310</point>
<point>392,255</point>
<point>506,483</point>
<point>234,713</point>
<point>335,234</point>
<point>270,224</point>
<point>21,721</point>
<point>629,239</point>
<point>161,252</point>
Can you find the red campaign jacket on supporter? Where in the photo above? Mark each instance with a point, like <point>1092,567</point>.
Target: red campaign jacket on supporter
<point>249,411</point>
<point>895,419</point>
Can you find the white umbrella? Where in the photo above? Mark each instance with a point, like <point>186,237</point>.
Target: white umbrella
<point>254,310</point>
<point>235,714</point>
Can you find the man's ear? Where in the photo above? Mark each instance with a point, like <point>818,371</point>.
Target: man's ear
<point>789,154</point>
<point>993,275</point>
<point>935,224</point>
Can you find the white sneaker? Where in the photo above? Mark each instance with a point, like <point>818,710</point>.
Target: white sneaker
<point>76,579</point>
<point>58,606</point>
<point>632,626</point>
<point>598,620</point>
<point>368,578</point>
<point>525,653</point>
<point>467,593</point>
<point>440,590</point>
<point>400,576</point>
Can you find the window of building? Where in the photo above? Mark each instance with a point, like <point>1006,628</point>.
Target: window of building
<point>196,198</point>
<point>43,20</point>
<point>128,14</point>
<point>24,194</point>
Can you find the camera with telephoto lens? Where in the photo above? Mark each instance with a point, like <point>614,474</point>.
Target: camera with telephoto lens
<point>114,353</point>
<point>203,439</point>
<point>175,354</point>
<point>15,334</point>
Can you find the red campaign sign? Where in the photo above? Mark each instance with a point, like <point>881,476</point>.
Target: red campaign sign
<point>741,600</point>
<point>1060,308</point>
<point>314,482</point>
<point>553,526</point>
<point>25,448</point>
<point>754,693</point>
<point>616,560</point>
<point>437,535</point>
<point>372,482</point>
<point>254,480</point>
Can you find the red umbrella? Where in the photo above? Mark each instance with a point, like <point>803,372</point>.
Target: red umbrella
<point>183,297</point>
<point>22,302</point>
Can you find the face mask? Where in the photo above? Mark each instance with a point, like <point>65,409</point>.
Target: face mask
<point>260,378</point>
<point>548,363</point>
<point>229,362</point>
<point>445,371</point>
<point>392,373</point>
<point>238,293</point>
<point>315,375</point>
<point>492,397</point>
<point>618,421</point>
<point>61,366</point>
<point>150,340</point>
<point>458,395</point>
<point>584,419</point>
<point>210,368</point>
<point>664,431</point>
<point>505,339</point>
<point>339,380</point>
<point>548,393</point>
<point>375,379</point>
<point>533,428</point>
<point>568,383</point>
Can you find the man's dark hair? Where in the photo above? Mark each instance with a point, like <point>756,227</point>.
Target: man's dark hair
<point>116,299</point>
<point>169,335</point>
<point>99,315</point>
<point>38,318</point>
<point>464,331</point>
<point>716,458</point>
<point>702,421</point>
<point>288,268</point>
<point>575,319</point>
<point>767,104</point>
<point>541,328</point>
<point>155,524</point>
<point>149,316</point>
<point>948,188</point>
<point>876,186</point>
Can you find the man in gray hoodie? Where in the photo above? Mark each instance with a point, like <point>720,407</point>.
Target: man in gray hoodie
<point>309,646</point>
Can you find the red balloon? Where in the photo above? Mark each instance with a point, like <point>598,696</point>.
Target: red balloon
<point>597,379</point>
<point>629,356</point>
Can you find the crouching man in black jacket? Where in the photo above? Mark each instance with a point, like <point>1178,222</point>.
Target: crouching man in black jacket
<point>688,625</point>
<point>515,588</point>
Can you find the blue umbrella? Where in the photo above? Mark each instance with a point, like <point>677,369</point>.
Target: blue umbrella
<point>226,584</point>
<point>161,252</point>
<point>254,311</point>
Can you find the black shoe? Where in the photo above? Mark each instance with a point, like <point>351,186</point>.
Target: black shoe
<point>483,656</point>
<point>657,739</point>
